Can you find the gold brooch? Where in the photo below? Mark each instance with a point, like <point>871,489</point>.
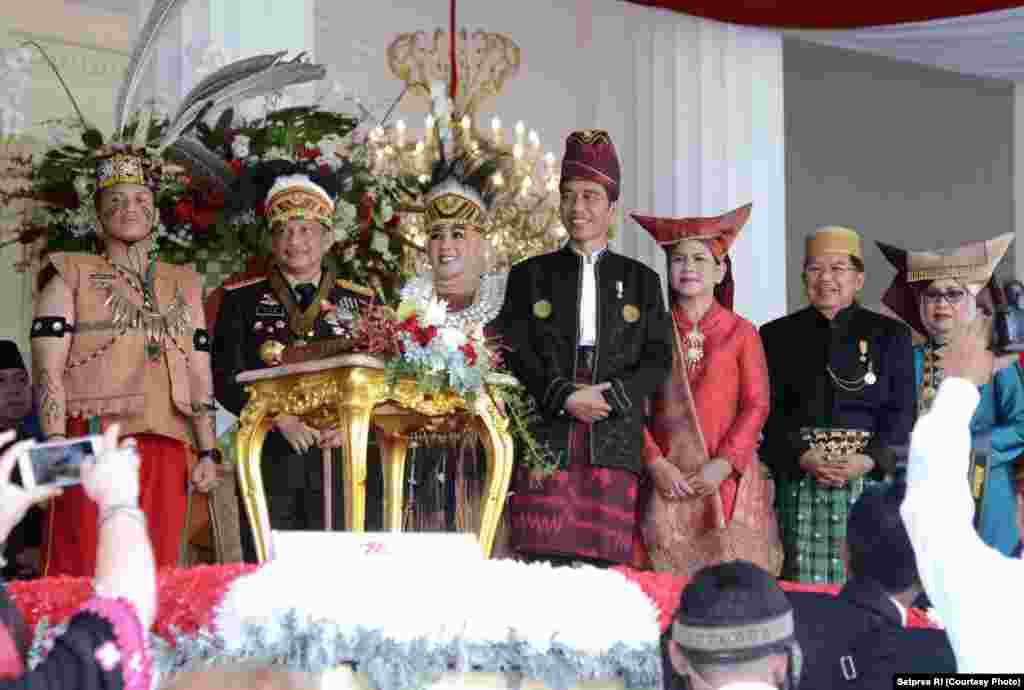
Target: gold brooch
<point>630,313</point>
<point>271,352</point>
<point>542,309</point>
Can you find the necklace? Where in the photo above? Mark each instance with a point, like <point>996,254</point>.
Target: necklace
<point>487,301</point>
<point>694,347</point>
<point>858,384</point>
<point>930,379</point>
<point>158,327</point>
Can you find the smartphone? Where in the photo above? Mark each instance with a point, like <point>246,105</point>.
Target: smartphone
<point>57,463</point>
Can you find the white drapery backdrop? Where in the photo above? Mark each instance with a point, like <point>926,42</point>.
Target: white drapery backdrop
<point>696,110</point>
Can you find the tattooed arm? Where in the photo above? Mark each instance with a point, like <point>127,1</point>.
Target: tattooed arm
<point>50,357</point>
<point>205,475</point>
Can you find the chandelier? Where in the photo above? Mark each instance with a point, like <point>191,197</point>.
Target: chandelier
<point>468,69</point>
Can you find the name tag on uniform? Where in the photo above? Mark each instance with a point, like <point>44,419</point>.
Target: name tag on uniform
<point>269,310</point>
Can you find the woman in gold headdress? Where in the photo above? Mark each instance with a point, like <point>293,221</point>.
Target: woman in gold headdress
<point>711,499</point>
<point>445,483</point>
<point>936,293</point>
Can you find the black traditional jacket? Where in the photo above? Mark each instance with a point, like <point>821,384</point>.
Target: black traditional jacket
<point>801,348</point>
<point>633,347</point>
<point>258,310</point>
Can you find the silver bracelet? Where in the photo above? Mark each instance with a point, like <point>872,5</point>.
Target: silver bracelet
<point>126,508</point>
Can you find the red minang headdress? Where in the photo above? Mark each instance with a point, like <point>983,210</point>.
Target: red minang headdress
<point>590,155</point>
<point>718,232</point>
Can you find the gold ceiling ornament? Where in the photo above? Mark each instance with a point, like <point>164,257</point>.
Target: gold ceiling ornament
<point>525,219</point>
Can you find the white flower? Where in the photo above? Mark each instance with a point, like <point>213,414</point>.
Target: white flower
<point>240,146</point>
<point>434,312</point>
<point>453,338</point>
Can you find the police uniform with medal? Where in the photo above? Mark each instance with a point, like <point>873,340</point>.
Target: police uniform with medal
<point>258,318</point>
<point>843,400</point>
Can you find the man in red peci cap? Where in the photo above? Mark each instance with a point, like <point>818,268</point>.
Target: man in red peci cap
<point>590,340</point>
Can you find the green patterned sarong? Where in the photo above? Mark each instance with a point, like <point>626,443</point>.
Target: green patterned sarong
<point>812,519</point>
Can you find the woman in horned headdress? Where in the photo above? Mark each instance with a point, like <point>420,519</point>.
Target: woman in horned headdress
<point>711,499</point>
<point>445,486</point>
<point>937,293</point>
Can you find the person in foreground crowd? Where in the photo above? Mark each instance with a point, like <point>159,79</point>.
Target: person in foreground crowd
<point>120,336</point>
<point>936,293</point>
<point>733,630</point>
<point>859,638</point>
<point>842,396</point>
<point>22,546</point>
<point>591,341</point>
<point>972,586</point>
<point>445,482</point>
<point>299,299</point>
<point>104,646</point>
<point>712,499</point>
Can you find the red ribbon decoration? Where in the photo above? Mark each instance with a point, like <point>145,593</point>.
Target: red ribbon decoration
<point>453,88</point>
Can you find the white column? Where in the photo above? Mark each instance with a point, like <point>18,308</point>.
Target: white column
<point>695,110</point>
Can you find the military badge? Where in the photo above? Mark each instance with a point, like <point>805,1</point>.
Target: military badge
<point>542,309</point>
<point>631,313</point>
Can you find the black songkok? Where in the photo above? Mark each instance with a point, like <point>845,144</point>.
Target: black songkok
<point>733,611</point>
<point>878,542</point>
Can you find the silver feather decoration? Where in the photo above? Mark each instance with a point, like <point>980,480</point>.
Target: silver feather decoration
<point>226,76</point>
<point>270,80</point>
<point>201,161</point>
<point>161,13</point>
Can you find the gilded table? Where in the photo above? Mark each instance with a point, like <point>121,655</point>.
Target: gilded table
<point>350,391</point>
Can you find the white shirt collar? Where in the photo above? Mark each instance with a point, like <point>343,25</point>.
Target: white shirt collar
<point>902,609</point>
<point>292,282</point>
<point>593,256</point>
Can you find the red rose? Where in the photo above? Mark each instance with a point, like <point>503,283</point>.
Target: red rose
<point>202,219</point>
<point>236,165</point>
<point>307,153</point>
<point>184,211</point>
<point>470,352</point>
<point>261,208</point>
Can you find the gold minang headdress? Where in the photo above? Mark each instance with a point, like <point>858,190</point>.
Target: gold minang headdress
<point>296,197</point>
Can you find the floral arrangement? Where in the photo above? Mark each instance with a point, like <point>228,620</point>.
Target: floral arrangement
<point>196,220</point>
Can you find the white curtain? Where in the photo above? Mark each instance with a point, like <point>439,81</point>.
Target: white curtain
<point>695,110</point>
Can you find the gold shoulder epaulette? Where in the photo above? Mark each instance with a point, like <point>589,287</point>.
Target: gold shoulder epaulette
<point>348,285</point>
<point>243,282</point>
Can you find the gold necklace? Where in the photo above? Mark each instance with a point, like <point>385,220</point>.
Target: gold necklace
<point>931,376</point>
<point>694,347</point>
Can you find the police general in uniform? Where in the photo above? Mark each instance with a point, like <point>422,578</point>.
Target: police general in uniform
<point>299,299</point>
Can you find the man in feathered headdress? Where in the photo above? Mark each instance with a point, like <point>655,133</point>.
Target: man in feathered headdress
<point>591,340</point>
<point>299,299</point>
<point>842,397</point>
<point>120,337</point>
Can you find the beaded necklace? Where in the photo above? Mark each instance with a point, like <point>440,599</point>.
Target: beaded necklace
<point>487,302</point>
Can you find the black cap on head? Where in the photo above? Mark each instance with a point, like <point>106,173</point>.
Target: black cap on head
<point>10,355</point>
<point>877,540</point>
<point>733,611</point>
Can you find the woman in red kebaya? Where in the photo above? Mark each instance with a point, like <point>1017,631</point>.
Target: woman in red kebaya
<point>711,499</point>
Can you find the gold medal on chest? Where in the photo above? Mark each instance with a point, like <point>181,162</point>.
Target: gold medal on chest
<point>542,309</point>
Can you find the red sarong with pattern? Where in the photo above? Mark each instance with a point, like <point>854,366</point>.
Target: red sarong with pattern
<point>70,532</point>
<point>584,510</point>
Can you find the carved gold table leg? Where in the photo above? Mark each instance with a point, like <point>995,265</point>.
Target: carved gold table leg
<point>252,432</point>
<point>499,449</point>
<point>393,449</point>
<point>354,421</point>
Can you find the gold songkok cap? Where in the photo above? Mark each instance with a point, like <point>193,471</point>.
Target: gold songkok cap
<point>834,239</point>
<point>296,197</point>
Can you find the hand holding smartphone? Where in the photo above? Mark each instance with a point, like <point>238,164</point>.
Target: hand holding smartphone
<point>57,463</point>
